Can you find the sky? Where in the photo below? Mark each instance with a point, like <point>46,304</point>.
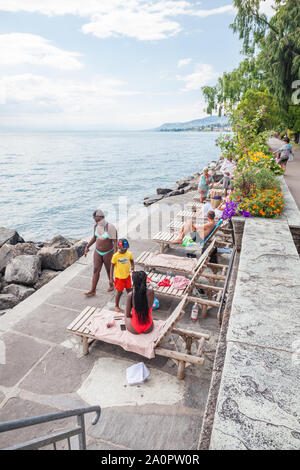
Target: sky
<point>111,64</point>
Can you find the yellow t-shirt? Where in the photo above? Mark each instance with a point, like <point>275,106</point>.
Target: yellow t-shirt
<point>122,264</point>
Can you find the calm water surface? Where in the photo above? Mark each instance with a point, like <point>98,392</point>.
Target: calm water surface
<point>50,183</point>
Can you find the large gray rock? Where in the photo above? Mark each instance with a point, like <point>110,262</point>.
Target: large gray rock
<point>24,269</point>
<point>152,199</point>
<point>46,276</point>
<point>80,247</point>
<point>60,242</point>
<point>217,176</point>
<point>8,235</point>
<point>176,192</point>
<point>163,191</point>
<point>19,291</point>
<point>8,301</point>
<point>8,252</point>
<point>56,258</point>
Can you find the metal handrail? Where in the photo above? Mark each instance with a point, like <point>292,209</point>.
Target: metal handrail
<point>52,439</point>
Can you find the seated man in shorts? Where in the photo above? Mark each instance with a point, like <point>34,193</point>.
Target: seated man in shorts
<point>197,233</point>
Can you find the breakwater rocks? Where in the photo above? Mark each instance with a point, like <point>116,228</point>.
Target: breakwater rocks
<point>27,266</point>
<point>189,183</point>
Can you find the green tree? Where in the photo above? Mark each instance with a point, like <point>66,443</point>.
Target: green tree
<point>252,101</point>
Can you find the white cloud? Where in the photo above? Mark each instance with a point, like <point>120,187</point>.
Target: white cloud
<point>266,7</point>
<point>183,62</point>
<point>21,48</point>
<point>140,19</point>
<point>39,94</point>
<point>203,74</point>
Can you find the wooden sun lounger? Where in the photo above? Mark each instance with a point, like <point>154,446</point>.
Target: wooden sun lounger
<point>164,239</point>
<point>144,260</point>
<point>187,214</point>
<point>177,225</point>
<point>194,206</point>
<point>80,327</point>
<point>200,272</point>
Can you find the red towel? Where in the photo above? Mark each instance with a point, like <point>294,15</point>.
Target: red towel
<point>164,283</point>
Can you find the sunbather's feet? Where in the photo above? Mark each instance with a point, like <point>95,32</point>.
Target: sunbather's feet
<point>90,293</point>
<point>117,309</point>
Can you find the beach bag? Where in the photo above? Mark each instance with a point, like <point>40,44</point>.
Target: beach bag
<point>188,241</point>
<point>156,304</point>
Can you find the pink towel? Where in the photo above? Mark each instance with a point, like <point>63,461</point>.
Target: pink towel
<point>180,282</point>
<point>141,344</point>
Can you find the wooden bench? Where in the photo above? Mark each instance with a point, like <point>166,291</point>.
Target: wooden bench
<point>80,327</point>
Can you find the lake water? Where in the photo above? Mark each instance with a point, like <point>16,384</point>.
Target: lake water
<point>50,183</point>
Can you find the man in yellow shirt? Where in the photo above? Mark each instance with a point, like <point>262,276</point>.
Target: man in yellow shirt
<point>121,262</point>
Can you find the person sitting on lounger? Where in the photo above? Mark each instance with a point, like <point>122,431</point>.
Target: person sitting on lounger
<point>197,233</point>
<point>138,315</point>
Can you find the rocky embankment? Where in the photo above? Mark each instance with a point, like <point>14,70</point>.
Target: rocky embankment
<point>189,183</point>
<point>27,266</point>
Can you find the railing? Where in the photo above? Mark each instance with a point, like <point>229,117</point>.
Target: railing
<point>56,437</point>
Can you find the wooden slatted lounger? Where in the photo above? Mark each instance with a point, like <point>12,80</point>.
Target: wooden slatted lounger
<point>187,214</point>
<point>164,238</point>
<point>194,206</point>
<point>145,260</point>
<point>209,289</point>
<point>80,327</point>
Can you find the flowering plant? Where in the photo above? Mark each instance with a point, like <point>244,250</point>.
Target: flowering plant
<point>260,161</point>
<point>267,203</point>
<point>233,208</point>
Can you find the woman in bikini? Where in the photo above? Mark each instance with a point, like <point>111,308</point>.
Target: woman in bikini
<point>138,315</point>
<point>105,236</point>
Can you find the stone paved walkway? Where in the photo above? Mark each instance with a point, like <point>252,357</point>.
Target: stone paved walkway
<point>292,175</point>
<point>44,370</point>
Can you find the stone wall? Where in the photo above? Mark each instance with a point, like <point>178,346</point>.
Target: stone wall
<point>258,405</point>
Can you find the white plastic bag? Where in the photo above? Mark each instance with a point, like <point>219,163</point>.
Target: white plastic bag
<point>137,374</point>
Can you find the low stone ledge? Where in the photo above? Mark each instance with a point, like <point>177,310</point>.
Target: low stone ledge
<point>259,397</point>
<point>259,402</point>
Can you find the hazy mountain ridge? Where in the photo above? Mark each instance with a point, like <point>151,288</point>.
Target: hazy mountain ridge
<point>207,121</point>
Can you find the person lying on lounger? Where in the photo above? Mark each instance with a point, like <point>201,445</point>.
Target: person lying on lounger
<point>198,233</point>
<point>138,315</point>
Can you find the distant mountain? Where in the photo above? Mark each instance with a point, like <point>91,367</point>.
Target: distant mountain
<point>197,123</point>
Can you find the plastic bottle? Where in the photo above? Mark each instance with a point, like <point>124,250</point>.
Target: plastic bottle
<point>194,312</point>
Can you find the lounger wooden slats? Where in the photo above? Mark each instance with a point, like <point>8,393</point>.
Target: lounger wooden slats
<point>80,327</point>
<point>186,214</point>
<point>194,206</point>
<point>176,225</point>
<point>164,238</point>
<point>145,260</point>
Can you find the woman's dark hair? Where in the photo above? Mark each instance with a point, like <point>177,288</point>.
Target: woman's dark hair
<point>286,139</point>
<point>139,279</point>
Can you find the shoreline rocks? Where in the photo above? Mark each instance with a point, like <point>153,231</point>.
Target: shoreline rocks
<point>186,184</point>
<point>27,266</point>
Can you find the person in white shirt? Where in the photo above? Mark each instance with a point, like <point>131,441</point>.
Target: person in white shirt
<point>227,169</point>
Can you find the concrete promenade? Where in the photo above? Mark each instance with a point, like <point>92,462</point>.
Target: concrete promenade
<point>44,371</point>
<point>292,175</point>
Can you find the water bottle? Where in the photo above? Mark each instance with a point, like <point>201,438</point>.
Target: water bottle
<point>194,312</point>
